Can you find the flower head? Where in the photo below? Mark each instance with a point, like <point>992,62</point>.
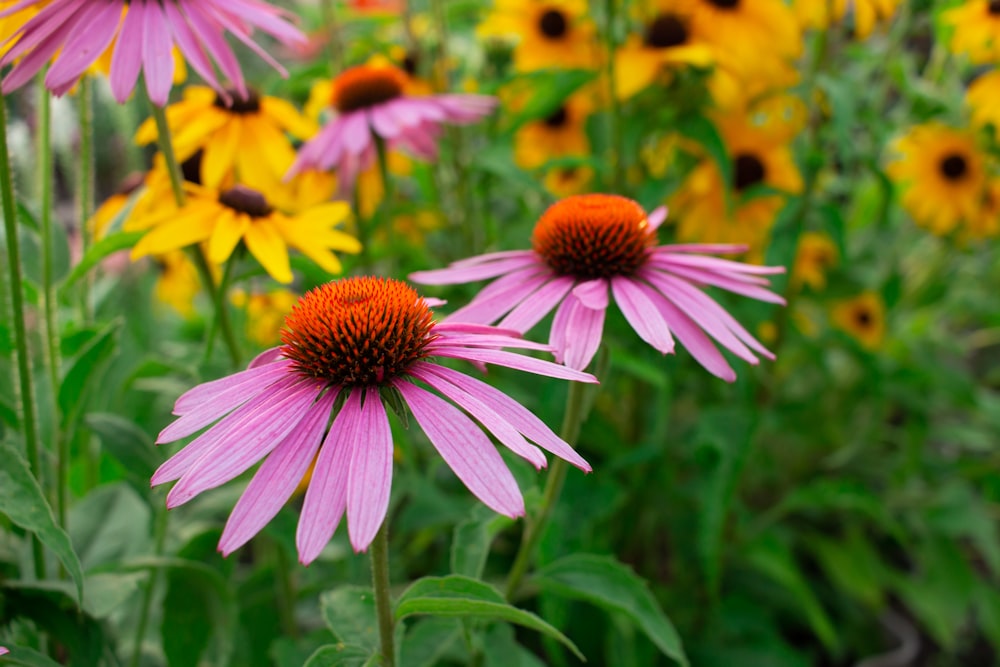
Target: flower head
<point>370,101</point>
<point>585,245</point>
<point>355,339</point>
<point>862,317</point>
<point>550,33</point>
<point>142,33</point>
<point>976,33</point>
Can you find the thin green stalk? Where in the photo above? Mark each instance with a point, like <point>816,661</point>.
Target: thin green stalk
<point>383,601</point>
<point>615,115</point>
<point>85,186</point>
<point>26,381</point>
<point>362,229</point>
<point>285,592</point>
<point>159,539</point>
<point>50,329</point>
<point>201,263</point>
<point>335,50</point>
<point>576,412</point>
<point>388,196</point>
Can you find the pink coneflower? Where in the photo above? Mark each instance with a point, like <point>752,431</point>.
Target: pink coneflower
<point>3,651</point>
<point>144,33</point>
<point>370,100</point>
<point>355,339</point>
<point>583,245</point>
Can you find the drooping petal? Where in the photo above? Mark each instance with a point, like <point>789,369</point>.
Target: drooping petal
<point>466,450</point>
<point>641,312</point>
<point>530,311</point>
<point>370,477</point>
<point>207,392</point>
<point>157,55</point>
<point>126,61</point>
<point>696,342</point>
<point>593,293</point>
<point>518,361</point>
<point>500,296</point>
<point>582,335</point>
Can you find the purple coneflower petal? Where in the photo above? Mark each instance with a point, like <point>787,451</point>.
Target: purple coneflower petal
<point>721,265</point>
<point>576,332</point>
<point>518,416</point>
<point>657,217</point>
<point>728,283</point>
<point>518,361</point>
<point>593,293</point>
<point>190,47</point>
<point>277,478</point>
<point>481,259</point>
<point>223,18</point>
<point>696,342</point>
<point>449,328</point>
<point>370,477</point>
<point>208,391</point>
<point>529,312</point>
<point>126,61</point>
<point>28,66</point>
<point>326,497</point>
<point>84,47</point>
<point>482,340</point>
<point>265,357</point>
<point>640,310</point>
<point>157,58</point>
<point>716,248</point>
<point>500,296</point>
<point>471,273</point>
<point>466,450</point>
<point>210,36</point>
<point>504,432</point>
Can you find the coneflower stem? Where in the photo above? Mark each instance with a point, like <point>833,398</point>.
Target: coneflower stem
<point>334,48</point>
<point>161,520</point>
<point>201,263</point>
<point>534,527</point>
<point>383,601</point>
<point>85,186</point>
<point>26,381</point>
<point>617,147</point>
<point>388,195</point>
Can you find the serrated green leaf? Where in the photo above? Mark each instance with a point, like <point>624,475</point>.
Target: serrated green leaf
<point>462,597</point>
<point>84,371</point>
<point>349,612</point>
<point>22,500</point>
<point>97,252</point>
<point>603,581</point>
<point>339,655</point>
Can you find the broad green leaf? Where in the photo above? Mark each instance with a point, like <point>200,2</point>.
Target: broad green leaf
<point>470,544</point>
<point>603,581</point>
<point>339,655</point>
<point>128,443</point>
<point>853,565</point>
<point>500,649</point>
<point>22,500</point>
<point>107,592</point>
<point>84,372</point>
<point>27,657</point>
<point>109,526</point>
<point>349,612</point>
<point>427,640</point>
<point>97,252</point>
<point>50,605</point>
<point>463,597</point>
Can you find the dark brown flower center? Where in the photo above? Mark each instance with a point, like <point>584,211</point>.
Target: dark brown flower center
<point>863,318</point>
<point>558,118</point>
<point>359,331</point>
<point>747,170</point>
<point>411,63</point>
<point>553,24</point>
<point>954,167</point>
<point>994,7</point>
<point>593,236</point>
<point>191,167</point>
<point>244,200</point>
<point>237,104</point>
<point>366,86</point>
<point>665,31</point>
<point>725,4</point>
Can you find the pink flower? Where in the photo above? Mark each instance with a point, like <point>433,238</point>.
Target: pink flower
<point>370,100</point>
<point>144,33</point>
<point>355,339</point>
<point>586,244</point>
<point>3,651</point>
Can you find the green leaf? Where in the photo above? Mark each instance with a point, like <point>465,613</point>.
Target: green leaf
<point>462,597</point>
<point>428,640</point>
<point>97,252</point>
<point>110,525</point>
<point>339,655</point>
<point>704,132</point>
<point>128,443</point>
<point>21,499</point>
<point>500,649</point>
<point>27,657</point>
<point>51,606</point>
<point>471,542</point>
<point>548,89</point>
<point>349,612</point>
<point>603,581</point>
<point>84,372</point>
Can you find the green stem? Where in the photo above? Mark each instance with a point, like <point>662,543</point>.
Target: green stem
<point>201,263</point>
<point>388,196</point>
<point>576,412</point>
<point>383,601</point>
<point>85,194</point>
<point>50,330</point>
<point>26,382</point>
<point>159,539</point>
<point>617,148</point>
<point>285,591</point>
<point>335,49</point>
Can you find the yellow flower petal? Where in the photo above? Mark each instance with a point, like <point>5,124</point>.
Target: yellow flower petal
<point>266,244</point>
<point>220,154</point>
<point>229,229</point>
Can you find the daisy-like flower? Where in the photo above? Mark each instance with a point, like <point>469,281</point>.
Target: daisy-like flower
<point>237,135</point>
<point>944,175</point>
<point>370,100</point>
<point>143,33</point>
<point>866,14</point>
<point>976,25</point>
<point>582,246</point>
<point>356,339</point>
<point>863,318</point>
<point>665,43</point>
<point>265,313</point>
<point>983,100</point>
<point>223,219</point>
<point>550,33</point>
<point>562,133</point>
<point>816,254</point>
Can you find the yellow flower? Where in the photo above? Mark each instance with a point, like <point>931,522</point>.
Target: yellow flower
<point>983,100</point>
<point>760,156</point>
<point>822,14</point>
<point>248,135</point>
<point>666,43</point>
<point>562,133</point>
<point>265,314</point>
<point>178,283</point>
<point>862,317</point>
<point>413,227</point>
<point>943,174</point>
<point>568,180</point>
<point>976,33</point>
<point>551,33</point>
<point>815,255</point>
<point>223,219</point>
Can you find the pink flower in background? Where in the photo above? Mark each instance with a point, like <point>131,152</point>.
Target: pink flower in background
<point>355,338</point>
<point>3,651</point>
<point>587,244</point>
<point>370,100</point>
<point>143,34</point>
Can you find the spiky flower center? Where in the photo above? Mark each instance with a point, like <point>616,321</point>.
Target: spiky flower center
<point>665,31</point>
<point>747,170</point>
<point>367,86</point>
<point>553,23</point>
<point>237,104</point>
<point>242,199</point>
<point>954,167</point>
<point>358,331</point>
<point>593,236</point>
